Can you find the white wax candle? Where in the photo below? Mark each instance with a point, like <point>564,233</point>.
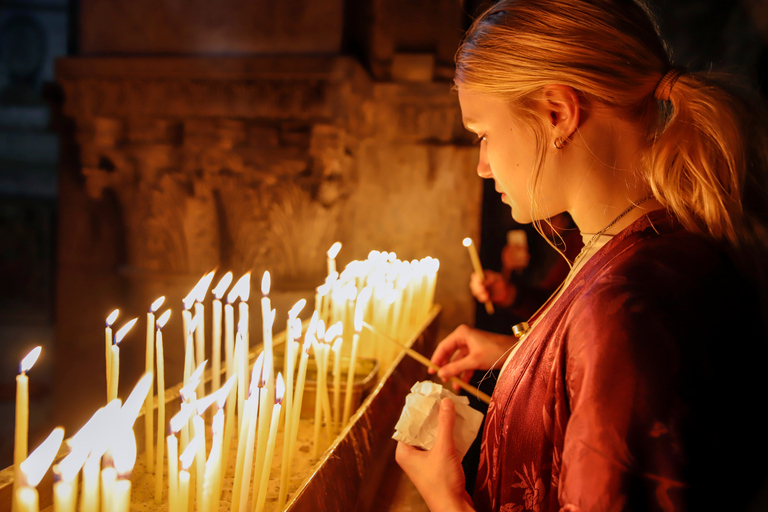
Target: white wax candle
<point>160,416</point>
<point>267,464</point>
<point>108,479</point>
<point>216,345</point>
<point>149,366</point>
<point>27,500</point>
<point>121,496</point>
<point>173,472</point>
<point>64,494</point>
<point>89,498</point>
<point>200,343</point>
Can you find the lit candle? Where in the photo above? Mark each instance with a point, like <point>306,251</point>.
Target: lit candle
<point>124,457</point>
<point>336,349</point>
<point>319,349</point>
<point>290,444</point>
<point>64,492</point>
<point>95,440</point>
<point>21,436</point>
<point>219,424</point>
<point>210,500</point>
<point>266,326</point>
<point>189,349</point>
<point>265,412</point>
<point>362,300</point>
<point>244,462</point>
<point>172,441</point>
<point>200,290</point>
<point>108,346</point>
<point>478,268</point>
<point>267,465</point>
<point>199,427</point>
<point>241,358</point>
<point>289,416</point>
<point>244,289</point>
<point>115,375</point>
<point>149,364</point>
<point>218,293</point>
<point>332,253</point>
<point>160,406</point>
<point>186,458</point>
<point>34,468</point>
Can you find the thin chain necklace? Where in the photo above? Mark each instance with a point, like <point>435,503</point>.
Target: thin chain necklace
<point>521,329</point>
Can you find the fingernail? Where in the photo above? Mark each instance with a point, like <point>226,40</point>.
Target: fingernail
<point>446,404</point>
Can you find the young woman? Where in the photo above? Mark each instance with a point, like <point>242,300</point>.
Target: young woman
<point>638,385</point>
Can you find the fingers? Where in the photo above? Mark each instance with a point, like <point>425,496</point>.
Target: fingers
<point>457,367</point>
<point>445,423</point>
<point>478,288</point>
<point>449,346</point>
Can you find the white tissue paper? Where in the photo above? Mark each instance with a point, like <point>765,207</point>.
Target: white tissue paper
<point>417,425</point>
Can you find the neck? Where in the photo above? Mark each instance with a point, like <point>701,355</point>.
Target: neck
<point>605,175</point>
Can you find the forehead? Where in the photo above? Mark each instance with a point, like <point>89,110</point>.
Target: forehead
<point>478,107</point>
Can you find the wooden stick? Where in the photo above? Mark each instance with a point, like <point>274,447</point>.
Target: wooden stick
<point>429,364</point>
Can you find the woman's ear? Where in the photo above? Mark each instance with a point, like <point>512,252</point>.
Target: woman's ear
<point>563,109</point>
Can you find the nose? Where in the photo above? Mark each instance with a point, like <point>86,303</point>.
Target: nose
<point>483,166</point>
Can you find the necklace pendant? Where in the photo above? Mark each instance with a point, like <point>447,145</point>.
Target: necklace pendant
<point>521,329</point>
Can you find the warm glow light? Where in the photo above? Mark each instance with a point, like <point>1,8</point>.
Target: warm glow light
<point>333,331</point>
<point>256,374</point>
<point>132,405</point>
<point>224,283</point>
<point>309,335</point>
<point>163,319</point>
<point>38,462</point>
<point>265,283</point>
<point>296,329</point>
<point>362,300</point>
<point>467,242</point>
<point>242,289</point>
<point>197,375</point>
<point>320,330</point>
<point>102,433</point>
<point>202,404</point>
<point>223,393</point>
<point>124,330</point>
<point>296,309</point>
<point>156,305</point>
<point>202,287</point>
<point>112,317</point>
<point>192,325</point>
<point>181,418</point>
<point>71,464</point>
<point>30,359</point>
<point>279,389</point>
<point>334,250</point>
<point>188,456</point>
<point>124,453</point>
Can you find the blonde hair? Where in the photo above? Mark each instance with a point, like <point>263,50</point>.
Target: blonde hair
<point>706,153</point>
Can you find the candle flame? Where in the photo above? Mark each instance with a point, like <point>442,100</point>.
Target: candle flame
<point>308,336</point>
<point>38,462</point>
<point>223,393</point>
<point>279,389</point>
<point>241,326</point>
<point>333,331</point>
<point>217,426</point>
<point>202,286</point>
<point>256,374</point>
<point>132,404</point>
<point>181,418</point>
<point>362,301</point>
<point>70,466</point>
<point>334,250</point>
<point>296,309</point>
<point>30,359</point>
<point>224,283</point>
<point>124,330</point>
<point>101,435</point>
<point>269,322</point>
<point>124,453</point>
<point>190,451</point>
<point>467,242</point>
<point>192,325</point>
<point>156,305</point>
<point>242,289</point>
<point>266,281</point>
<point>296,329</point>
<point>198,373</point>
<point>202,404</point>
<point>320,330</point>
<point>163,319</point>
<point>112,317</point>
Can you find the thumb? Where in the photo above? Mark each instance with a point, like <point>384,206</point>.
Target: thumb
<point>445,423</point>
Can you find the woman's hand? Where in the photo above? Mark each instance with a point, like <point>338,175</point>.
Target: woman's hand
<point>494,288</point>
<point>437,473</point>
<point>466,350</point>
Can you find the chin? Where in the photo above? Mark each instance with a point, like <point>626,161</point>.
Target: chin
<point>519,215</point>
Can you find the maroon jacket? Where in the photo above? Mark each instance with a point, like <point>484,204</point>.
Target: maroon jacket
<point>639,390</point>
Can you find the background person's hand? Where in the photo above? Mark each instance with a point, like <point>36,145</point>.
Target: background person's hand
<point>466,350</point>
<point>494,288</point>
<point>437,473</point>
